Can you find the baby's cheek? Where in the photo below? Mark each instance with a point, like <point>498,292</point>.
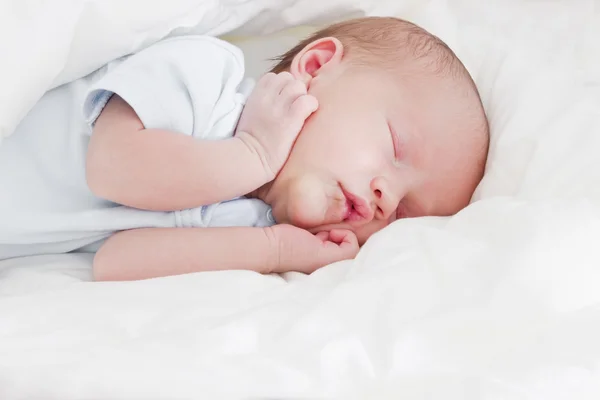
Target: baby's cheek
<point>307,204</point>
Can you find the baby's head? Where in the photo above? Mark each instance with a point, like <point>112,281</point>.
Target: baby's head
<point>400,130</point>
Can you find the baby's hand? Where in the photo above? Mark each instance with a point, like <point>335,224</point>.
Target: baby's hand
<point>300,250</point>
<point>273,117</point>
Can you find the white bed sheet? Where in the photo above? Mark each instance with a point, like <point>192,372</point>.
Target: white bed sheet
<point>501,301</point>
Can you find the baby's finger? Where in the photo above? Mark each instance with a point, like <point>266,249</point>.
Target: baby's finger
<point>332,252</point>
<point>265,80</point>
<point>303,106</point>
<point>279,81</point>
<point>323,235</point>
<point>340,236</point>
<point>346,240</point>
<point>291,92</point>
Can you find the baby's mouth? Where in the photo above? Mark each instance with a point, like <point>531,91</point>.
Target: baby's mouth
<point>356,208</point>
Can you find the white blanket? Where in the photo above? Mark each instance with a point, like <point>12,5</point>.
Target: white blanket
<point>501,301</point>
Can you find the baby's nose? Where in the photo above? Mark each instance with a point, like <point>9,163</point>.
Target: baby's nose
<point>384,200</point>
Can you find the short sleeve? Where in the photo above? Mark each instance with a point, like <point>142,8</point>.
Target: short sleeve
<point>174,84</point>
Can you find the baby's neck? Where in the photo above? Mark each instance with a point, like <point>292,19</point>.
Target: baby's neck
<point>262,193</point>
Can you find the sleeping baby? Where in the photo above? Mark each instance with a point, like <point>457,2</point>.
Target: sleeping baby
<point>169,162</point>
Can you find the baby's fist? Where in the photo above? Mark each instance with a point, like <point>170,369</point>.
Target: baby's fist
<point>300,250</point>
<point>273,117</point>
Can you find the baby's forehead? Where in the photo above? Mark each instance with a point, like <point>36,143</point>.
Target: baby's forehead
<point>406,89</point>
<point>437,111</point>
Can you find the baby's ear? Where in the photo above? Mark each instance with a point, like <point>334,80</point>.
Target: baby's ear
<point>316,57</point>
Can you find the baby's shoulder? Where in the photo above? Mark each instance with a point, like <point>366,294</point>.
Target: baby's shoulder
<point>206,48</point>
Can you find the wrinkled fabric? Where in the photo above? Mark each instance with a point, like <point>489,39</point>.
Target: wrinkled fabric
<point>498,302</point>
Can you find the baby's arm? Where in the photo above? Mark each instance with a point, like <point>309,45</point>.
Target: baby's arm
<point>155,169</point>
<point>155,252</point>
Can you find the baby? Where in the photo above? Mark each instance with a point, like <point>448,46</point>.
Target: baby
<point>177,164</point>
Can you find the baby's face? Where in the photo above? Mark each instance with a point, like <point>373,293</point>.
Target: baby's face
<point>369,156</point>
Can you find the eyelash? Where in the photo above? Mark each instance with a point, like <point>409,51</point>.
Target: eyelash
<point>395,142</point>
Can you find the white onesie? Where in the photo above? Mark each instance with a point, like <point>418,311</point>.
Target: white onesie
<point>193,85</point>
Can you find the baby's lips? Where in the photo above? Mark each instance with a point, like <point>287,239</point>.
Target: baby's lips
<point>359,209</point>
<point>346,210</point>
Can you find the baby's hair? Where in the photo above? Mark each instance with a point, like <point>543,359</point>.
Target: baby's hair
<point>385,38</point>
<point>391,43</point>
